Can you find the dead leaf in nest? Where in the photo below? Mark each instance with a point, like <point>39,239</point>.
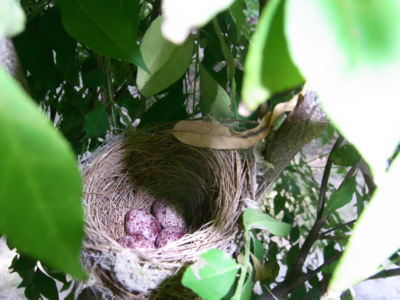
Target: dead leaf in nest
<point>212,135</point>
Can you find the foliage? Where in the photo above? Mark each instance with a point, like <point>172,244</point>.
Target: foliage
<point>89,75</point>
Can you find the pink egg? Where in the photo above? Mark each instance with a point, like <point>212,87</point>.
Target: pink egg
<point>136,242</point>
<point>168,235</point>
<point>169,214</point>
<point>141,222</point>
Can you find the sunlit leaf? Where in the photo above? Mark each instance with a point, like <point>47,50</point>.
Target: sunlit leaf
<point>181,16</point>
<point>215,270</point>
<point>341,196</point>
<point>40,186</point>
<point>355,67</point>
<point>254,218</point>
<point>165,61</point>
<point>107,27</point>
<point>12,18</point>
<point>268,67</point>
<point>375,236</point>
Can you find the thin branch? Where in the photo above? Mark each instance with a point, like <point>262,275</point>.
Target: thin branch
<point>281,291</point>
<point>325,179</point>
<point>338,227</point>
<point>386,274</point>
<point>121,90</point>
<point>369,179</point>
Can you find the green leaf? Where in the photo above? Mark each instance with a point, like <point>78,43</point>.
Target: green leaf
<point>96,122</point>
<point>248,285</point>
<point>45,285</point>
<point>269,68</point>
<point>165,61</point>
<point>253,218</point>
<point>237,12</point>
<point>133,105</point>
<point>214,99</point>
<point>52,30</point>
<point>214,270</point>
<point>12,18</point>
<point>181,16</point>
<point>292,254</point>
<point>107,27</point>
<point>38,58</point>
<point>341,196</point>
<point>225,50</point>
<point>375,236</point>
<point>40,185</point>
<point>346,155</point>
<point>355,67</point>
<point>168,109</point>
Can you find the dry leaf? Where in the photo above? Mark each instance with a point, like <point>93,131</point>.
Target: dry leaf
<point>211,135</point>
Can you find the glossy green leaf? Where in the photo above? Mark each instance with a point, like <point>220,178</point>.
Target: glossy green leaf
<point>341,196</point>
<point>355,67</point>
<point>254,218</point>
<point>107,27</point>
<point>181,16</point>
<point>40,186</point>
<point>268,68</point>
<point>214,99</point>
<point>346,155</point>
<point>96,122</point>
<point>215,270</point>
<point>165,61</point>
<point>375,236</point>
<point>12,18</point>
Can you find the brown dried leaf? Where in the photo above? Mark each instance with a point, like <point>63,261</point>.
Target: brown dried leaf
<point>211,135</point>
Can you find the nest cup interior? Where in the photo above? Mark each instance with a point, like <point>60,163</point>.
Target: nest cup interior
<point>134,171</point>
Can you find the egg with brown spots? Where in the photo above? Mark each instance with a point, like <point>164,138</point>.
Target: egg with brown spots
<point>136,242</point>
<point>168,235</point>
<point>138,221</point>
<point>169,214</point>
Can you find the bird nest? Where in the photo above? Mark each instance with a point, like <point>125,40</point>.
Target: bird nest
<point>133,171</point>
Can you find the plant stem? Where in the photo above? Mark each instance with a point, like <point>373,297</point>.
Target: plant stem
<point>195,75</point>
<point>110,93</point>
<point>325,179</point>
<point>245,265</point>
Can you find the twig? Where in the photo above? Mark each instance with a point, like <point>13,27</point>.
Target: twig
<point>325,179</point>
<point>369,180</point>
<point>338,227</point>
<point>280,291</point>
<point>386,273</point>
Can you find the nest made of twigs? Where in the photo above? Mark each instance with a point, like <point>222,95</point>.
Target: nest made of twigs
<point>132,172</point>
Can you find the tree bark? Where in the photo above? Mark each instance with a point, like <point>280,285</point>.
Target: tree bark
<point>303,124</point>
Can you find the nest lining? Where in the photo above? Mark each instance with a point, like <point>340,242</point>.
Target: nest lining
<point>134,171</point>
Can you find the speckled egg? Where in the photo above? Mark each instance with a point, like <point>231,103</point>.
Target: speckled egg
<point>169,214</point>
<point>141,222</point>
<point>136,242</point>
<point>168,235</point>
